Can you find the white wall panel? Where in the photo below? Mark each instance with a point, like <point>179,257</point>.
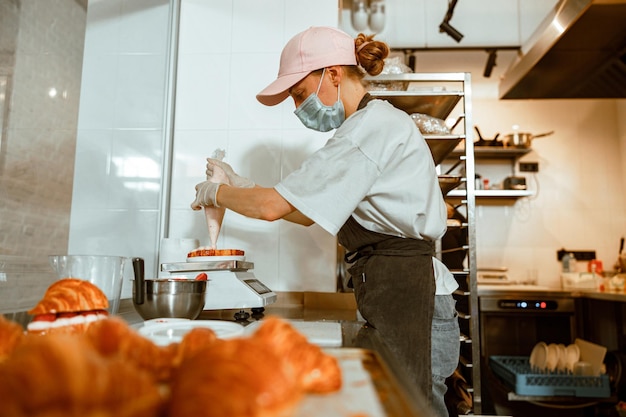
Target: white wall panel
<point>203,87</point>
<point>258,26</point>
<point>140,91</point>
<point>205,24</point>
<point>255,137</point>
<point>251,72</point>
<point>141,27</point>
<point>97,90</point>
<point>118,163</point>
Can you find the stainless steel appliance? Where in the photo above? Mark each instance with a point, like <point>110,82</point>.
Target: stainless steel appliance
<point>577,51</point>
<point>511,323</point>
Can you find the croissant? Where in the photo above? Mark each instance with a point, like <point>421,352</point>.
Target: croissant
<point>193,341</point>
<point>317,372</point>
<point>11,335</point>
<point>114,338</point>
<point>234,378</point>
<point>69,305</point>
<point>71,295</point>
<point>60,375</point>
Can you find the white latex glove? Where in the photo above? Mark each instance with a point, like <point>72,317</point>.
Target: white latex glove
<point>233,179</point>
<point>206,193</point>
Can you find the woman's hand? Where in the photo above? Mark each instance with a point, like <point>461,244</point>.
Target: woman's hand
<point>206,195</point>
<point>233,179</point>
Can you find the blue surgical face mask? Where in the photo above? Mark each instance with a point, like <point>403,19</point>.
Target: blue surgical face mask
<point>317,116</point>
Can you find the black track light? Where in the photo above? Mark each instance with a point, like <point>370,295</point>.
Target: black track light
<point>452,32</point>
<point>446,27</point>
<point>491,62</point>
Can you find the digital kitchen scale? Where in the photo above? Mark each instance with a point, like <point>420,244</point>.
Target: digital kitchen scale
<point>230,284</point>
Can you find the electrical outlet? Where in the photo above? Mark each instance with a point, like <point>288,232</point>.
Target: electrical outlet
<point>529,166</point>
<point>580,255</point>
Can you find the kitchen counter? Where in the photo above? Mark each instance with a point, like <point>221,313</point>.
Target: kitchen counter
<point>354,334</point>
<point>484,290</point>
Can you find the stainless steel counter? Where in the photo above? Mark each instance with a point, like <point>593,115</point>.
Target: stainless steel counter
<point>488,290</point>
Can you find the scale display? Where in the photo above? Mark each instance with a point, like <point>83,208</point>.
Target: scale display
<point>257,286</point>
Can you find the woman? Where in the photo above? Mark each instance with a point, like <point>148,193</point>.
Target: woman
<point>373,185</point>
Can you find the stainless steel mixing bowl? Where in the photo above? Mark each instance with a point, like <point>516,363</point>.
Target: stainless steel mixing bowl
<point>170,298</point>
<point>156,298</point>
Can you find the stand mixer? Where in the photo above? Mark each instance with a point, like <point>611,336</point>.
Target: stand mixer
<point>231,285</point>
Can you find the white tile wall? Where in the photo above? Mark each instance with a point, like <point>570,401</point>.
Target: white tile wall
<point>116,207</point>
<point>216,108</point>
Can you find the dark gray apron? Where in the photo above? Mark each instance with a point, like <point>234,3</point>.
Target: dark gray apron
<point>394,286</point>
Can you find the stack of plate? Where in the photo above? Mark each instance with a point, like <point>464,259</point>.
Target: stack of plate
<point>554,357</point>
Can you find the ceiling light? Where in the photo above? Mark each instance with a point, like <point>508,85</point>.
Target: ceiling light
<point>446,27</point>
<point>491,62</point>
<point>368,14</point>
<point>377,16</point>
<point>359,14</point>
<point>452,32</point>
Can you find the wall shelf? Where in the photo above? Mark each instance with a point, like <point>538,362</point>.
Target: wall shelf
<point>493,193</point>
<point>494,152</point>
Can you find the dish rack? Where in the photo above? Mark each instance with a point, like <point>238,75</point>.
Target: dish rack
<point>517,373</point>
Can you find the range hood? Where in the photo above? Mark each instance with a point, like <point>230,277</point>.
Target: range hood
<point>578,51</point>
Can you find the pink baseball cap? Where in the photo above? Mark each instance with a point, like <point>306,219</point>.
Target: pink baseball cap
<point>315,48</point>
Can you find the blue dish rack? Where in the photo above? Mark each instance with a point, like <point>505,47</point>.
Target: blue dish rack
<point>518,375</point>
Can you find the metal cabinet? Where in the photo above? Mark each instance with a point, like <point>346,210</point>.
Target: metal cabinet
<point>448,96</point>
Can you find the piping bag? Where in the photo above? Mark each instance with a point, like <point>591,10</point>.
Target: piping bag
<point>215,215</point>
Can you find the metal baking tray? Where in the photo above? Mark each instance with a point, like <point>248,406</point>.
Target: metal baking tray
<point>369,389</point>
<point>442,146</point>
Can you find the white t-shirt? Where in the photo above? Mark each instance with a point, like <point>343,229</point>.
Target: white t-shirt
<point>444,280</point>
<point>378,168</point>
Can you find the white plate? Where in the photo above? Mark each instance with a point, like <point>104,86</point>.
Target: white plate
<point>215,258</point>
<point>553,357</point>
<point>164,333</point>
<point>561,365</point>
<point>573,354</point>
<point>539,357</point>
<point>163,320</point>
